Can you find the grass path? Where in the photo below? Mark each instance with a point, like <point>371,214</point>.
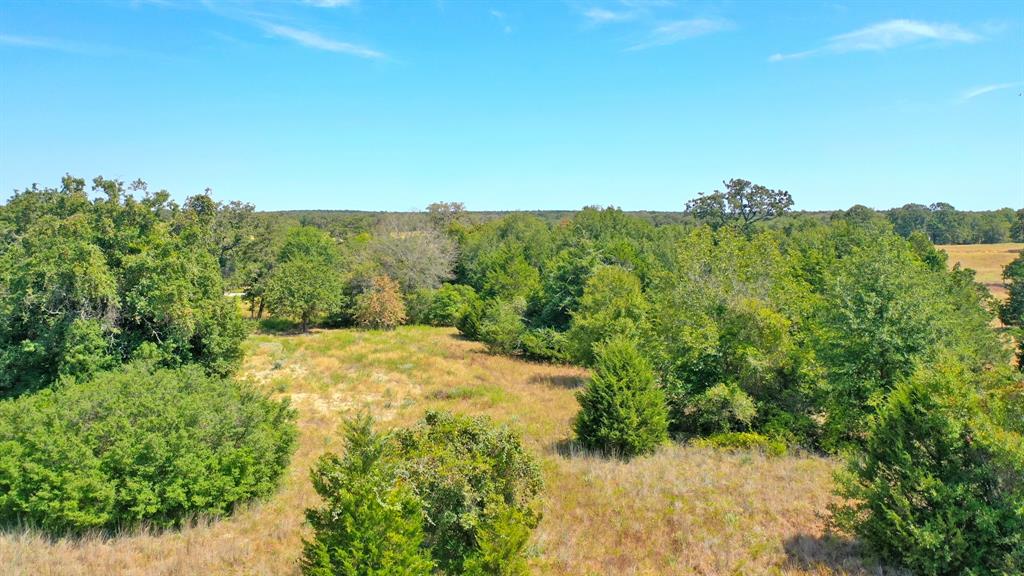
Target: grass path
<point>682,511</point>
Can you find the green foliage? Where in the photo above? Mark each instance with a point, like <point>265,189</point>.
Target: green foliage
<point>721,408</point>
<point>87,284</point>
<point>612,304</point>
<point>1011,312</point>
<point>743,441</point>
<point>742,202</point>
<point>444,306</point>
<point>371,522</point>
<point>939,487</point>
<point>501,326</point>
<point>305,283</point>
<point>139,445</point>
<point>478,486</point>
<point>381,306</point>
<point>501,542</point>
<point>622,410</point>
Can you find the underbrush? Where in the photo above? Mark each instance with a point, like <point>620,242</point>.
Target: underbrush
<point>136,446</point>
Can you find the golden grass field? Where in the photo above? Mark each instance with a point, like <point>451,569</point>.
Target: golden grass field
<point>682,511</point>
<point>987,260</point>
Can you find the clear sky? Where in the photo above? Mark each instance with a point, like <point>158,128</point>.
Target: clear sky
<point>541,105</point>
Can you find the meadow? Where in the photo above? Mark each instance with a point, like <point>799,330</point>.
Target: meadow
<point>988,260</point>
<point>683,510</point>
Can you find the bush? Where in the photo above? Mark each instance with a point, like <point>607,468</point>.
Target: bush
<point>743,441</point>
<point>478,487</point>
<point>501,326</point>
<point>721,408</point>
<point>938,487</point>
<point>381,306</point>
<point>371,522</point>
<point>622,410</point>
<point>444,306</point>
<point>139,445</point>
<point>612,303</point>
<point>502,544</point>
<point>544,344</point>
<point>469,323</point>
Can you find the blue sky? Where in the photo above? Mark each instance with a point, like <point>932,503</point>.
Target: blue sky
<point>544,105</point>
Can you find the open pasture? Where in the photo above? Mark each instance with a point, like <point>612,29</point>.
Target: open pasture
<point>682,511</point>
<point>987,260</point>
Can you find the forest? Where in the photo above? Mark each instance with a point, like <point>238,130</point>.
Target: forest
<point>736,325</point>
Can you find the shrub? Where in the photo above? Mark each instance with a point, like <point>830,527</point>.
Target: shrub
<point>303,289</point>
<point>622,410</point>
<point>469,323</point>
<point>381,306</point>
<point>502,541</point>
<point>501,326</point>
<point>444,306</point>
<point>477,484</point>
<point>139,445</point>
<point>743,441</point>
<point>721,408</point>
<point>612,303</point>
<point>938,487</point>
<point>371,522</point>
<point>544,344</point>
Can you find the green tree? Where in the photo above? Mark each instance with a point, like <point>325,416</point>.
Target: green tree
<point>139,445</point>
<point>742,202</point>
<point>306,282</point>
<point>938,488</point>
<point>87,285</point>
<point>622,410</point>
<point>478,485</point>
<point>1011,312</point>
<point>371,522</point>
<point>612,304</point>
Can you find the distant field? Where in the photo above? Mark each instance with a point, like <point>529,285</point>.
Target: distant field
<point>682,511</point>
<point>987,260</point>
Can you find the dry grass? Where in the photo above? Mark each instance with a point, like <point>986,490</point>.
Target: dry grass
<point>987,260</point>
<point>682,511</point>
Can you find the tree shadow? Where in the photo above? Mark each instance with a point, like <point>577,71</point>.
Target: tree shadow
<point>571,448</point>
<point>558,380</point>
<point>837,554</point>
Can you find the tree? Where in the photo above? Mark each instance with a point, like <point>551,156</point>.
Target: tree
<point>742,202</point>
<point>381,306</point>
<point>139,445</point>
<point>479,487</point>
<point>86,285</point>
<point>622,410</point>
<point>1017,228</point>
<point>305,282</point>
<point>371,523</point>
<point>416,257</point>
<point>443,214</point>
<point>612,304</point>
<point>1011,311</point>
<point>938,487</point>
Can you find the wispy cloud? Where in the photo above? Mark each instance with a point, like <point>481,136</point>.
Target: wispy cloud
<point>41,43</point>
<point>679,30</point>
<point>314,40</point>
<point>979,90</point>
<point>330,3</point>
<point>603,15</point>
<point>886,36</point>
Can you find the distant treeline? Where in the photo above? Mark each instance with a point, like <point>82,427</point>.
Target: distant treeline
<point>940,222</point>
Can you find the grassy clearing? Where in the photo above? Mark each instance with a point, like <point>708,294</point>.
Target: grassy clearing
<point>684,510</point>
<point>987,260</point>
